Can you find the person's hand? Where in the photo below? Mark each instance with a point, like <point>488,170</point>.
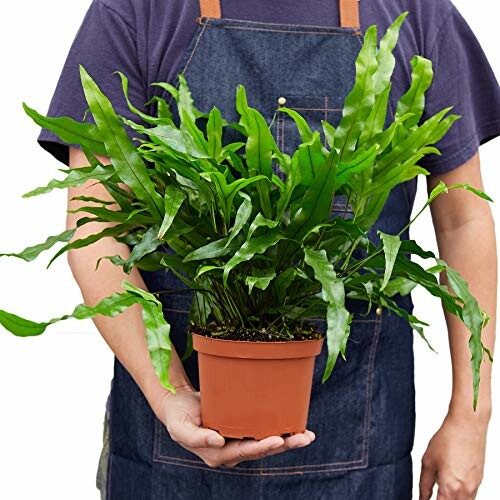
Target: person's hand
<point>454,459</point>
<point>181,416</point>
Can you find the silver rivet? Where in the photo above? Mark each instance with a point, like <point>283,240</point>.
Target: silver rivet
<point>281,101</point>
<point>379,310</point>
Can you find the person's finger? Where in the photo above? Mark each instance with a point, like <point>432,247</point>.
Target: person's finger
<point>296,441</point>
<point>242,450</point>
<point>310,434</point>
<point>427,480</point>
<point>300,439</point>
<point>189,435</point>
<point>289,443</point>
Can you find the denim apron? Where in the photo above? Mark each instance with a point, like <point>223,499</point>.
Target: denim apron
<point>364,415</point>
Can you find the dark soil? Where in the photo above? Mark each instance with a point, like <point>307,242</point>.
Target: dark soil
<point>305,331</point>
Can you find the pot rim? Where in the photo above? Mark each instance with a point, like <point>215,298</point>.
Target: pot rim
<point>248,349</point>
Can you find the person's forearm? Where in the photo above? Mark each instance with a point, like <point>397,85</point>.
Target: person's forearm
<point>470,248</point>
<point>125,334</point>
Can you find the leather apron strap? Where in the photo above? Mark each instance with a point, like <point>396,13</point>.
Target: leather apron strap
<point>210,8</point>
<point>349,11</point>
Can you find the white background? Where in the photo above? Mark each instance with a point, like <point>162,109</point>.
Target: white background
<point>53,388</point>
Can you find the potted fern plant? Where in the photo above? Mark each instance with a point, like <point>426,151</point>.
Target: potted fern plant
<point>261,254</point>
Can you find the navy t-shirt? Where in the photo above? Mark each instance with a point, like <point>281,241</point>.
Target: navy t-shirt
<point>146,40</point>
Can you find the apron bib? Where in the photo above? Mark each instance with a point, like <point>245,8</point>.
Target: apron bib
<point>364,415</point>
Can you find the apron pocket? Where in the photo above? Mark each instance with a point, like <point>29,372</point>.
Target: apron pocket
<point>340,408</point>
<point>339,415</point>
<point>314,109</point>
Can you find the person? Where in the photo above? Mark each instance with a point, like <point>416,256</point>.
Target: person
<point>362,420</point>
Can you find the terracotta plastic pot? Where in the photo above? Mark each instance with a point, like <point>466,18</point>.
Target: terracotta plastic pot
<point>255,389</point>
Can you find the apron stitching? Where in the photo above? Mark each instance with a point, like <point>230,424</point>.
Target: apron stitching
<point>207,468</point>
<point>326,118</point>
<point>283,133</point>
<point>260,468</point>
<point>279,24</point>
<point>317,109</point>
<point>280,31</point>
<point>278,131</point>
<point>194,50</point>
<point>353,321</point>
<point>305,466</point>
<point>369,389</point>
<point>277,138</point>
<point>358,36</point>
<point>188,62</point>
<point>295,473</point>
<point>271,473</point>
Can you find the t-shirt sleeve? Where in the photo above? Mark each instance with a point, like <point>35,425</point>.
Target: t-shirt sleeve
<point>464,79</point>
<point>104,43</point>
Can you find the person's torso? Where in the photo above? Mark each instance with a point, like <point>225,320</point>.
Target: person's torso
<point>164,29</point>
<point>302,55</point>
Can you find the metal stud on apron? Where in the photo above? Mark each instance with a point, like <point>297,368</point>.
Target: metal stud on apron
<point>363,416</point>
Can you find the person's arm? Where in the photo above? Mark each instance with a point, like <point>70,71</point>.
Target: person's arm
<point>125,335</point>
<point>465,233</point>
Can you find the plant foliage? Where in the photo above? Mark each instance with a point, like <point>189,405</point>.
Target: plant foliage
<point>261,251</point>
